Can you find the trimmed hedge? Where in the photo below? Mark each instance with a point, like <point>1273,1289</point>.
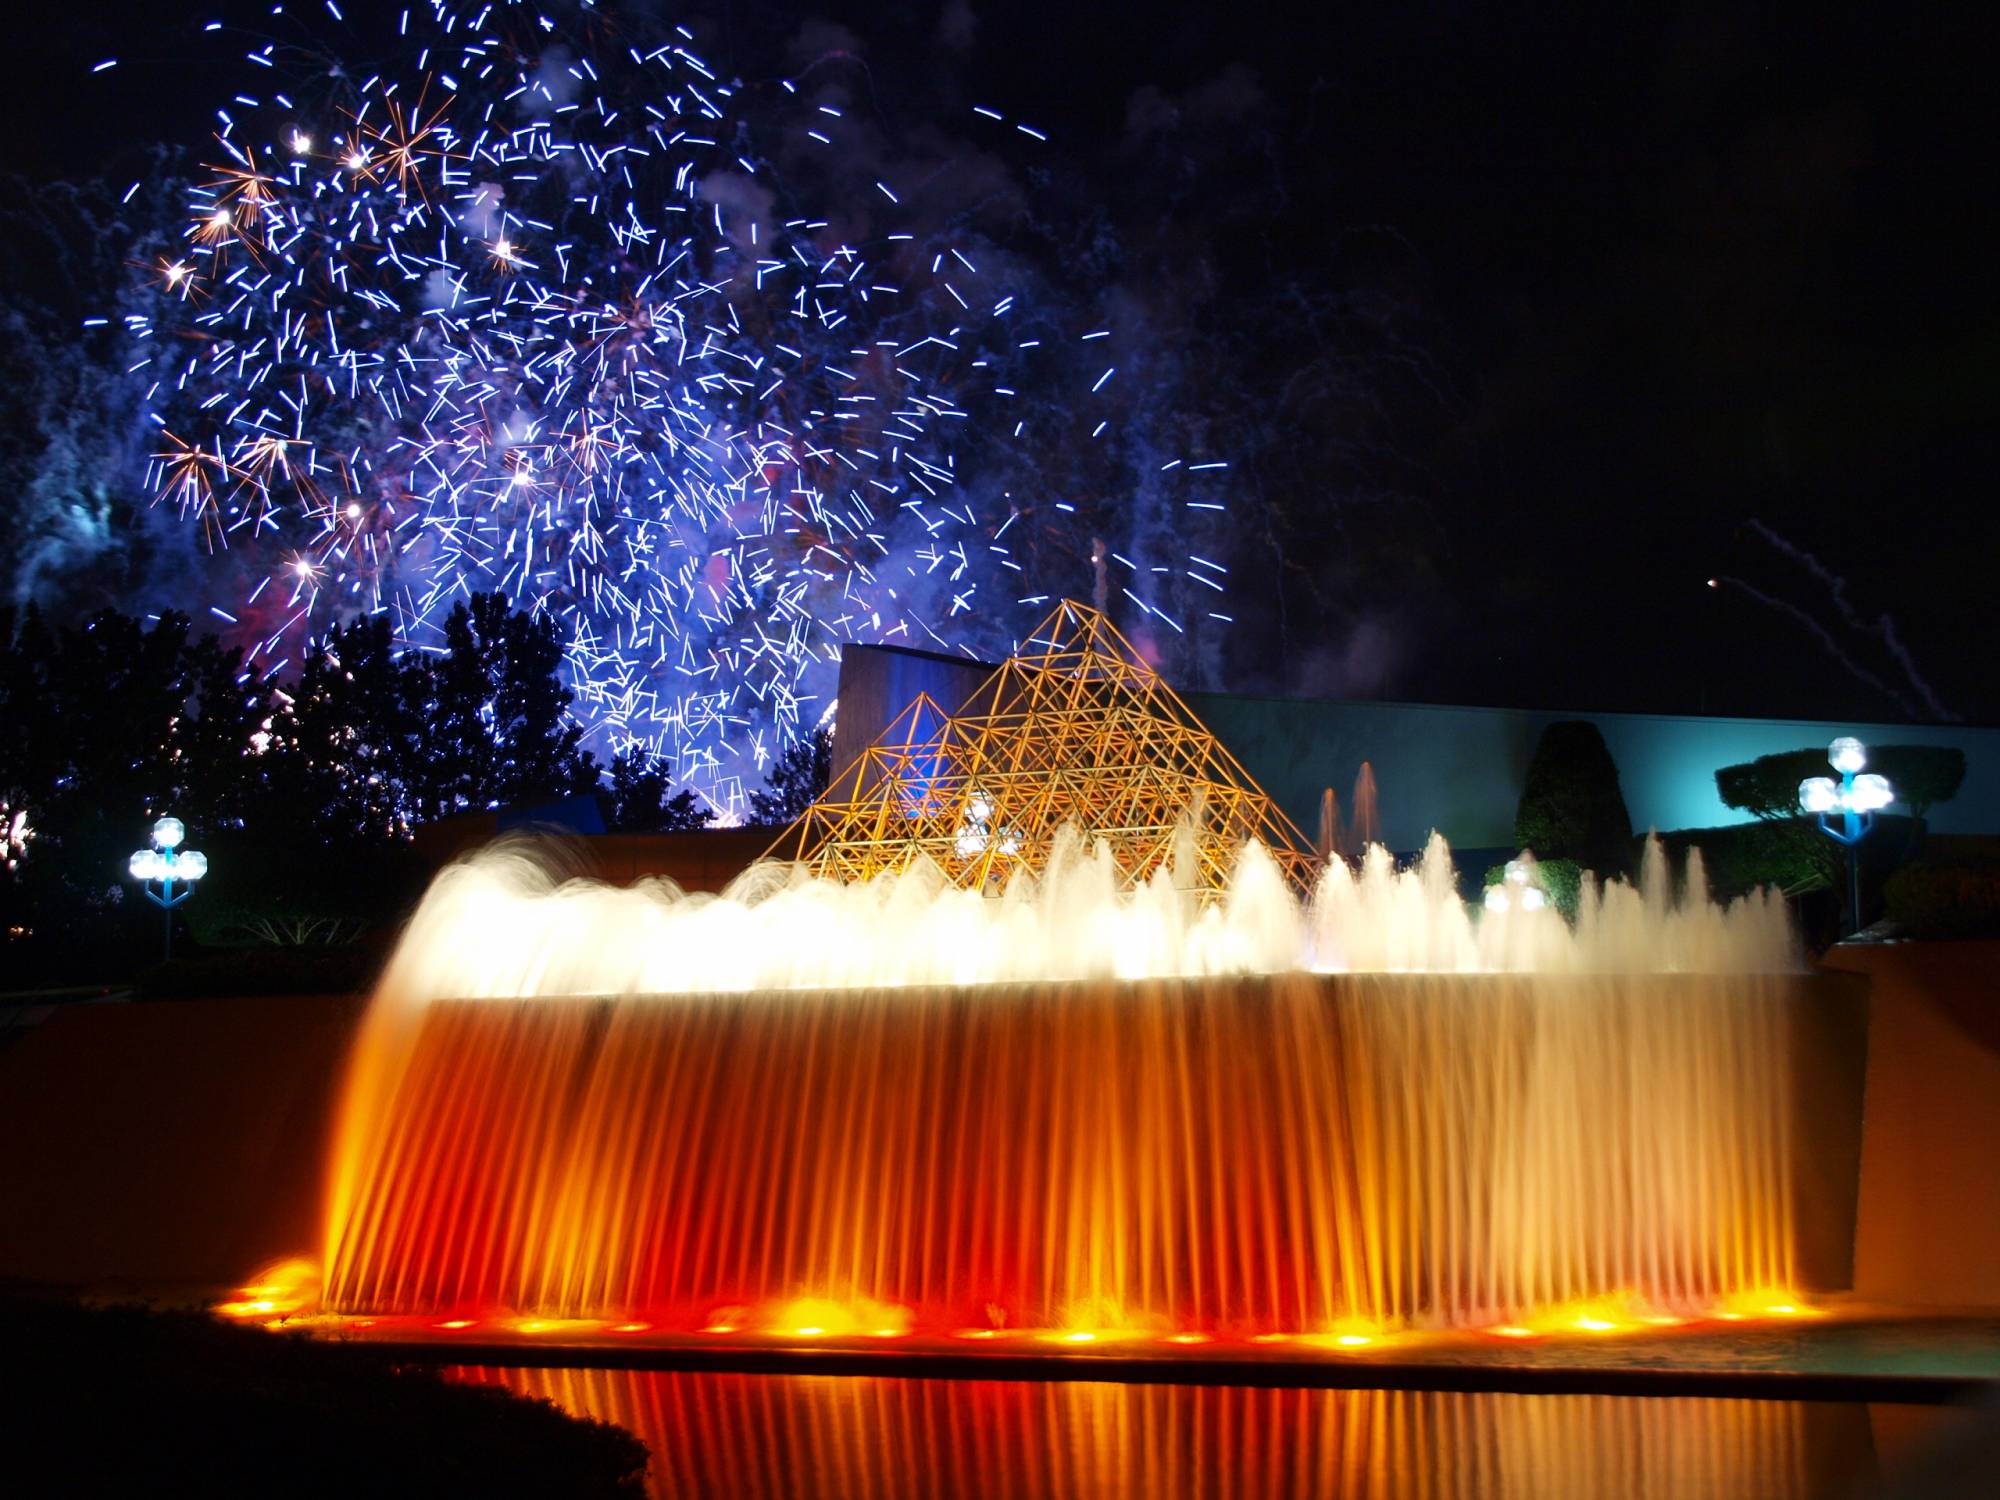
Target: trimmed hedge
<point>1561,880</point>
<point>346,970</point>
<point>1946,901</point>
<point>1922,775</point>
<point>1792,855</point>
<point>265,891</point>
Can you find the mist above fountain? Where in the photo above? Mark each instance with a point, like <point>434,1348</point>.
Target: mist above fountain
<point>508,925</point>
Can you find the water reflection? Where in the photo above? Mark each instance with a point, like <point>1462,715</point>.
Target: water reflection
<point>756,1435</point>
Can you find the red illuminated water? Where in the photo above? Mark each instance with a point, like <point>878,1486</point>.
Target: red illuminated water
<point>1296,1153</point>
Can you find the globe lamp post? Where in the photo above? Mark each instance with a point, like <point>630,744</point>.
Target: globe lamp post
<point>1855,798</point>
<point>166,865</point>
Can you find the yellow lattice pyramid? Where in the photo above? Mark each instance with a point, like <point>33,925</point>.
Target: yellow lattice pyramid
<point>1075,730</point>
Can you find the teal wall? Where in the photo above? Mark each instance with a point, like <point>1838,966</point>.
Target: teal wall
<point>1458,770</point>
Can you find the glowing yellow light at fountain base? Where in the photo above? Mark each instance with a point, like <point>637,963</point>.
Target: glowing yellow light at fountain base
<point>1624,1317</point>
<point>1766,1303</point>
<point>820,1317</point>
<point>274,1300</point>
<point>285,1295</point>
<point>281,1290</point>
<point>560,1327</point>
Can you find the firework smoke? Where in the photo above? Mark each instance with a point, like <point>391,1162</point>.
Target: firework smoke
<point>706,371</point>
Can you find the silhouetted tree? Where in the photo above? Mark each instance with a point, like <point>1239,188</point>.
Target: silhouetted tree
<point>303,793</point>
<point>107,726</point>
<point>348,738</point>
<point>497,725</point>
<point>641,798</point>
<point>213,766</point>
<point>798,776</point>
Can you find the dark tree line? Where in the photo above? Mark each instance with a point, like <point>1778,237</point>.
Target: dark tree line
<point>796,778</point>
<point>305,789</point>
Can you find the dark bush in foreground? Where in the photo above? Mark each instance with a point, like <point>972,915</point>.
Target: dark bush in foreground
<point>1946,901</point>
<point>264,891</point>
<point>217,973</point>
<point>128,1401</point>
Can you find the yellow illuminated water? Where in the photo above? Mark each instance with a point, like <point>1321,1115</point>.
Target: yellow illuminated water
<point>913,1109</point>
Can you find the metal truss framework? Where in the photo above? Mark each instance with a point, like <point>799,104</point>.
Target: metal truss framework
<point>1076,730</point>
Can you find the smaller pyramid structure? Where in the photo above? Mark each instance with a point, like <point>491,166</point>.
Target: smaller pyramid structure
<point>1076,729</point>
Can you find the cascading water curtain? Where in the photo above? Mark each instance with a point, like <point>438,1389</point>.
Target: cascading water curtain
<point>1291,1154</point>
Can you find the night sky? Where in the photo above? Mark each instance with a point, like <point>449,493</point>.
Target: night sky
<point>1623,299</point>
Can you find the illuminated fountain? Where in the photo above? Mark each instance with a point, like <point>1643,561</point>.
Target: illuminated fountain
<point>963,1071</point>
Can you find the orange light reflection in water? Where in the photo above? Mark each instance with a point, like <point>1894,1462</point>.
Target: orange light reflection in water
<point>806,1438</point>
<point>1318,1156</point>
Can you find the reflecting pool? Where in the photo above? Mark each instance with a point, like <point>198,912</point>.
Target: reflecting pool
<point>804,1436</point>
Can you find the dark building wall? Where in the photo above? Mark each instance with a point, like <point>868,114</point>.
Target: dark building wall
<point>879,682</point>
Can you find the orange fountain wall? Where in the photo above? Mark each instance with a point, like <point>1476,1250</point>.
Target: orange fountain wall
<point>1295,1153</point>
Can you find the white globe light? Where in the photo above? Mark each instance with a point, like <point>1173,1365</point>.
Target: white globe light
<point>1819,794</point>
<point>192,865</point>
<point>1847,755</point>
<point>1532,899</point>
<point>1496,898</point>
<point>169,832</point>
<point>1870,792</point>
<point>145,865</point>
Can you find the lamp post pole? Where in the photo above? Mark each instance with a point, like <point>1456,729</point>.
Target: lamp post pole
<point>165,864</point>
<point>1856,797</point>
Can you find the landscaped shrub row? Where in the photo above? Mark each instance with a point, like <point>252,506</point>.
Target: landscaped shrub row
<point>1946,901</point>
